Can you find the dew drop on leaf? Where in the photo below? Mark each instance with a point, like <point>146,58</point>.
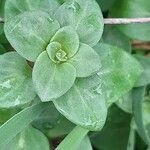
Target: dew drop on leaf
<point>74,6</point>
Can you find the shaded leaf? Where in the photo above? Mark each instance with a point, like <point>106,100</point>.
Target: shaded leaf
<point>29,139</point>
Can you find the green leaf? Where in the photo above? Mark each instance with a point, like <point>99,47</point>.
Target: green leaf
<point>138,97</point>
<point>52,123</point>
<point>73,140</point>
<point>15,7</point>
<point>144,79</point>
<point>115,134</point>
<point>30,33</point>
<point>85,17</point>
<point>2,49</point>
<point>125,103</point>
<point>83,104</point>
<point>86,61</point>
<point>68,39</point>
<point>29,139</point>
<point>114,37</point>
<point>2,3</point>
<point>52,80</point>
<point>18,122</point>
<point>85,144</point>
<point>133,9</point>
<point>3,39</point>
<point>116,74</point>
<point>105,4</point>
<point>16,88</point>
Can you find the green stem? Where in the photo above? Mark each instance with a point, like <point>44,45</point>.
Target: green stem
<point>73,140</point>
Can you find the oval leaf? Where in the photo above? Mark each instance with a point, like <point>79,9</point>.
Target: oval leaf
<point>86,61</point>
<point>85,17</point>
<point>52,80</point>
<point>16,88</point>
<point>117,74</point>
<point>83,104</point>
<point>30,33</point>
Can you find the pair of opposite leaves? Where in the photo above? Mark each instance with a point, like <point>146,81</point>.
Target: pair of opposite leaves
<point>62,50</point>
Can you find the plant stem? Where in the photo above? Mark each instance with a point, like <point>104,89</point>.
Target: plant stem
<point>118,20</point>
<point>126,20</point>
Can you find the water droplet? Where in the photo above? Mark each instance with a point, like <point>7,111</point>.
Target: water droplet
<point>21,142</point>
<point>6,84</point>
<point>74,6</point>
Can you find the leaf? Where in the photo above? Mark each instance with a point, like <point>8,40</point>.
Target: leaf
<point>3,39</point>
<point>86,61</point>
<point>125,103</point>
<point>138,97</point>
<point>52,123</point>
<point>52,80</point>
<point>74,139</point>
<point>115,134</point>
<point>16,88</point>
<point>30,33</point>
<point>2,49</point>
<point>105,4</point>
<point>2,3</point>
<point>117,75</point>
<point>85,144</point>
<point>15,7</point>
<point>116,38</point>
<point>18,122</point>
<point>29,139</point>
<point>144,79</point>
<point>133,9</point>
<point>69,40</point>
<point>83,104</point>
<point>85,17</point>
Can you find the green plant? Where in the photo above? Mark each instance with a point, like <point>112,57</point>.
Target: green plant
<point>62,72</point>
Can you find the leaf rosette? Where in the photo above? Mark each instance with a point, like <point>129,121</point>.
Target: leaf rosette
<point>57,44</point>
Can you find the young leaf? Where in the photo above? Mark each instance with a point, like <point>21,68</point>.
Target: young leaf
<point>86,61</point>
<point>144,79</point>
<point>30,33</point>
<point>15,7</point>
<point>52,80</point>
<point>85,17</point>
<point>73,140</point>
<point>29,139</point>
<point>18,122</point>
<point>83,104</point>
<point>16,88</point>
<point>116,74</point>
<point>133,9</point>
<point>69,40</point>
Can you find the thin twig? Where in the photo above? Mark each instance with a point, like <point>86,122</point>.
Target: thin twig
<point>126,20</point>
<point>118,20</point>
